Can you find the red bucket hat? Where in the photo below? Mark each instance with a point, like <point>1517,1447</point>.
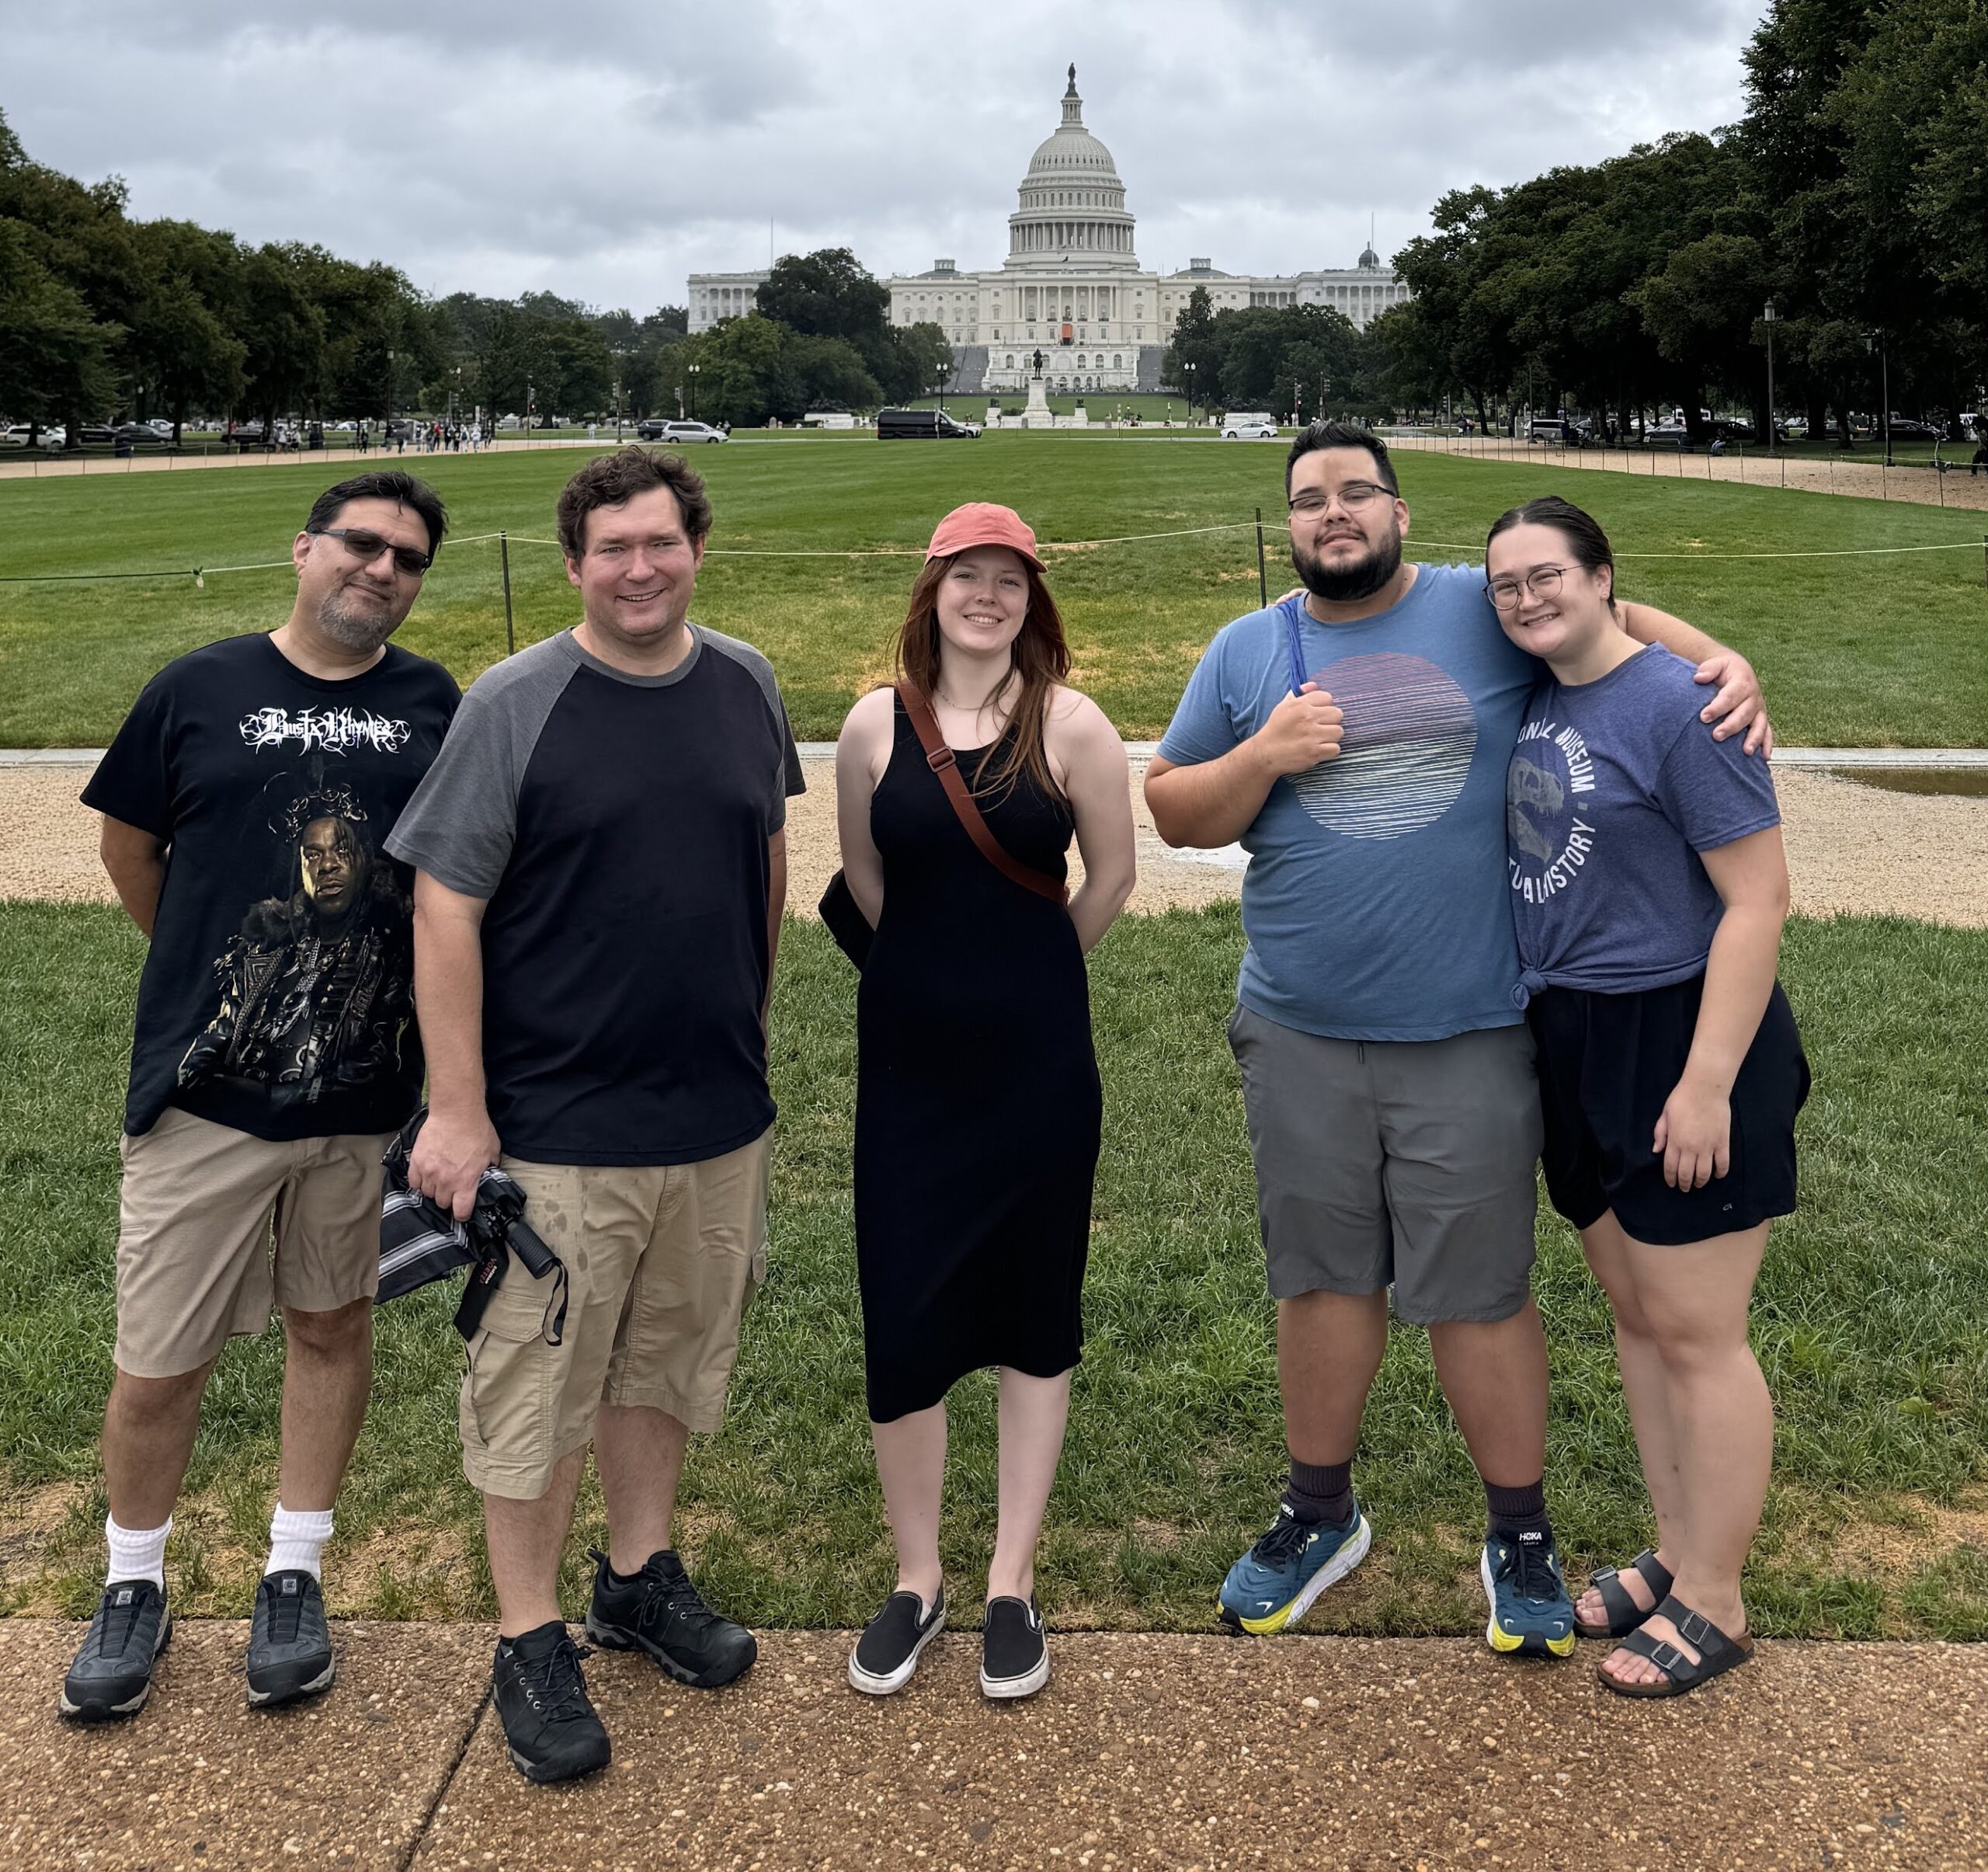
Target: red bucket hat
<point>983,523</point>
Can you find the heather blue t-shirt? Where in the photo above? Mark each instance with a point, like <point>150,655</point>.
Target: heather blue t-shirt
<point>1375,903</point>
<point>1615,787</point>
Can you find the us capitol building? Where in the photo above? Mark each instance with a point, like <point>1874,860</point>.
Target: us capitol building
<point>1071,287</point>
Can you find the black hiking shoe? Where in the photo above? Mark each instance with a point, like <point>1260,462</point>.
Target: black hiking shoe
<point>887,1654</point>
<point>658,1611</point>
<point>1014,1653</point>
<point>549,1722</point>
<point>290,1648</point>
<point>112,1674</point>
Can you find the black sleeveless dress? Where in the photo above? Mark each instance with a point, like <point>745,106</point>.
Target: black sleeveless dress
<point>978,1105</point>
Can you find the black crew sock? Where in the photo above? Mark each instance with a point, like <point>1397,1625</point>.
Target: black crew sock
<point>1514,1511</point>
<point>1321,1491</point>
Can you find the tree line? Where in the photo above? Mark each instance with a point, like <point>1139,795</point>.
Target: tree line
<point>1852,197</point>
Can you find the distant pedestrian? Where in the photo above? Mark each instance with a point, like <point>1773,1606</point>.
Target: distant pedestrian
<point>1648,887</point>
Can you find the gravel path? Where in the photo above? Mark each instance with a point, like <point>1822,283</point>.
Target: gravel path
<point>1853,849</point>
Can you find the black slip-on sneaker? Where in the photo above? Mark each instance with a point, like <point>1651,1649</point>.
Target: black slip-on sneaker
<point>888,1652</point>
<point>658,1611</point>
<point>112,1676</point>
<point>290,1646</point>
<point>549,1726</point>
<point>1014,1652</point>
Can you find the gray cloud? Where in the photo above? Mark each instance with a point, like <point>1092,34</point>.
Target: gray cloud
<point>605,149</point>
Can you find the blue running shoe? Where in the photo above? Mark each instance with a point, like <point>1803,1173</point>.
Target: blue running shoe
<point>1273,1585</point>
<point>1531,1614</point>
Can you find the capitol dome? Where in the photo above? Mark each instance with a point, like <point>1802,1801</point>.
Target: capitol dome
<point>1071,205</point>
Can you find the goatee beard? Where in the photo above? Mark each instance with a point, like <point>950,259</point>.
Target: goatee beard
<point>1348,584</point>
<point>353,630</point>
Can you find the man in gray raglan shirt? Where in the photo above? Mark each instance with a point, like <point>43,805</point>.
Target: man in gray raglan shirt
<point>601,867</point>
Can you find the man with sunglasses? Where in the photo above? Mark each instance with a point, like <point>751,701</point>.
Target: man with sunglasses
<point>246,801</point>
<point>1355,738</point>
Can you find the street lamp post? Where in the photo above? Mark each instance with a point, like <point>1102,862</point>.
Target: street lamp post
<point>455,394</point>
<point>1190,371</point>
<point>693,370</point>
<point>941,373</point>
<point>390,394</point>
<point>531,395</point>
<point>1769,318</point>
<point>617,412</point>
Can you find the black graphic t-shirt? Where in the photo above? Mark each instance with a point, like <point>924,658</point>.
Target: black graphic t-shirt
<point>279,995</point>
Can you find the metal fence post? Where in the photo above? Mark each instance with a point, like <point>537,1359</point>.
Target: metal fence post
<point>1262,577</point>
<point>504,553</point>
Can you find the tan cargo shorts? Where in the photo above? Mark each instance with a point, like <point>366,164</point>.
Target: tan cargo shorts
<point>217,1228</point>
<point>661,1261</point>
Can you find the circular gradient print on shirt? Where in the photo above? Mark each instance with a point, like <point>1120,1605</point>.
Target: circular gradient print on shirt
<point>1410,733</point>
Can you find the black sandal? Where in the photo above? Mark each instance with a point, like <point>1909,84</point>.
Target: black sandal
<point>1624,1615</point>
<point>1717,1654</point>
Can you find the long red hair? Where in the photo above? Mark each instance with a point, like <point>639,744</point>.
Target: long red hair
<point>1041,656</point>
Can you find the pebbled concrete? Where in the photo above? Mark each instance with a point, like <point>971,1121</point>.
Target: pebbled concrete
<point>1144,1751</point>
<point>1149,1751</point>
<point>198,1779</point>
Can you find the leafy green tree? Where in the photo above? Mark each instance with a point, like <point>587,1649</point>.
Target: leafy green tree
<point>54,356</point>
<point>183,355</point>
<point>1194,342</point>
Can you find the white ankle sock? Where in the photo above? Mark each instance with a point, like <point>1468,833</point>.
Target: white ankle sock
<point>137,1553</point>
<point>298,1541</point>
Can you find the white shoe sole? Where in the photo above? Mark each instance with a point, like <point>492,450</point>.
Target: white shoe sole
<point>262,1699</point>
<point>114,1712</point>
<point>1026,1684</point>
<point>871,1684</point>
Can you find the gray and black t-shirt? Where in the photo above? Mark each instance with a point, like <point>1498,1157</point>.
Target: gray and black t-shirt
<point>616,827</point>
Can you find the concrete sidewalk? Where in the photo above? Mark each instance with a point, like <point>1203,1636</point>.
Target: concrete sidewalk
<point>1143,1751</point>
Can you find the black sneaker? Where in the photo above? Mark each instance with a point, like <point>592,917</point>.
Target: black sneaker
<point>887,1654</point>
<point>549,1724</point>
<point>112,1674</point>
<point>290,1648</point>
<point>658,1611</point>
<point>1014,1655</point>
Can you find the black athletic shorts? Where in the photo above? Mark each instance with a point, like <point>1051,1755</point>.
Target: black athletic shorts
<point>1606,1064</point>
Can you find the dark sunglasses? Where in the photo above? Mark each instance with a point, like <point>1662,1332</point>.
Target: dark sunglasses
<point>366,546</point>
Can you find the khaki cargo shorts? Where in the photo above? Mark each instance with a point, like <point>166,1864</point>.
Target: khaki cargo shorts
<point>217,1228</point>
<point>661,1261</point>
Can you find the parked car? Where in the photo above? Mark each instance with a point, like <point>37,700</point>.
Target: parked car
<point>1727,430</point>
<point>1909,429</point>
<point>916,424</point>
<point>160,426</point>
<point>1557,429</point>
<point>1248,425</point>
<point>138,435</point>
<point>654,429</point>
<point>1666,432</point>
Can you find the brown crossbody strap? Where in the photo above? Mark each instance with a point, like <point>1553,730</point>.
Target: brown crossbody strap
<point>939,758</point>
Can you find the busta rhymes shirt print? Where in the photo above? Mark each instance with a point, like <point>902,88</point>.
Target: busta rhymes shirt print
<point>279,995</point>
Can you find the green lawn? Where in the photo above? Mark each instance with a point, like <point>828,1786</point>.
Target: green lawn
<point>1872,1324</point>
<point>1854,651</point>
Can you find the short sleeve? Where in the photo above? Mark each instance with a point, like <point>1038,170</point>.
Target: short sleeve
<point>1204,725</point>
<point>1714,793</point>
<point>792,778</point>
<point>460,824</point>
<point>134,782</point>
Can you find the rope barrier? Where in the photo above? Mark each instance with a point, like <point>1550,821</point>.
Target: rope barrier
<point>199,573</point>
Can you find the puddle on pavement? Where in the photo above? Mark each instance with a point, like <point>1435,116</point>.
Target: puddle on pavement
<point>1967,782</point>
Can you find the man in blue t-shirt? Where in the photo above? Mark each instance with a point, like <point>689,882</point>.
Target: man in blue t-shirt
<point>1354,738</point>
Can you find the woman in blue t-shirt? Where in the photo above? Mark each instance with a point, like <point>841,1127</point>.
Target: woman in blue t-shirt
<point>1649,889</point>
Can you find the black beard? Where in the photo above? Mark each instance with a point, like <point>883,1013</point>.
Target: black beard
<point>1348,584</point>
<point>354,630</point>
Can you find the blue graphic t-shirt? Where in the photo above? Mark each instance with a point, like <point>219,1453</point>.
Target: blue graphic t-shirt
<point>1375,903</point>
<point>1615,787</point>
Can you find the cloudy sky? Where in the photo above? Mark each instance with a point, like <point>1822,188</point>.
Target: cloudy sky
<point>603,149</point>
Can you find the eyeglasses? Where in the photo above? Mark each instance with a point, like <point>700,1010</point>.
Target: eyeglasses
<point>1543,582</point>
<point>1354,497</point>
<point>366,546</point>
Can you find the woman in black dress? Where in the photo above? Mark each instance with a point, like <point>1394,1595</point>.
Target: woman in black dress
<point>978,1105</point>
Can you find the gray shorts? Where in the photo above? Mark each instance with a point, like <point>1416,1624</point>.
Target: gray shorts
<point>1407,1163</point>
